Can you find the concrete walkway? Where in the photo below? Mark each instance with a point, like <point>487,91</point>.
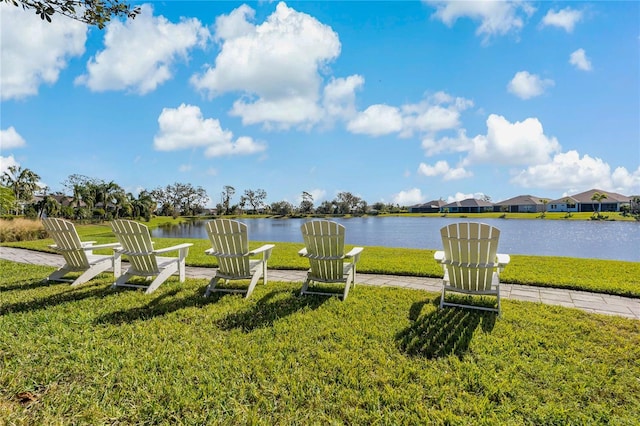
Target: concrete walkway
<point>590,302</point>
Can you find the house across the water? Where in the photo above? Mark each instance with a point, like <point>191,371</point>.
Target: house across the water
<point>470,205</point>
<point>584,202</point>
<point>429,207</point>
<point>521,204</point>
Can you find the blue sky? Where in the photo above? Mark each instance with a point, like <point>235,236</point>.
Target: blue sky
<point>400,102</point>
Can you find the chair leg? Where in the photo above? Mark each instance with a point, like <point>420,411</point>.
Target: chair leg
<point>305,285</point>
<point>182,270</point>
<point>442,297</point>
<point>346,291</point>
<point>117,265</point>
<point>212,285</point>
<point>91,272</point>
<point>122,279</point>
<point>162,277</point>
<point>55,276</point>
<point>182,255</point>
<point>254,281</point>
<point>351,281</point>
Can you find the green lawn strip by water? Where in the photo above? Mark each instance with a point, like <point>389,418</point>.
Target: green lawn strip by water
<point>602,276</point>
<point>94,355</point>
<point>608,216</point>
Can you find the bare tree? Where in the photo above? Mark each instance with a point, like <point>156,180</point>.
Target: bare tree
<point>254,198</point>
<point>306,205</point>
<point>227,193</point>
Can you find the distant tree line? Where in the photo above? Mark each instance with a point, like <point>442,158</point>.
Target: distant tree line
<point>88,198</point>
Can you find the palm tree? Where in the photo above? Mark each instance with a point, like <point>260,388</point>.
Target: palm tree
<point>544,202</point>
<point>7,199</point>
<point>598,197</point>
<point>23,183</point>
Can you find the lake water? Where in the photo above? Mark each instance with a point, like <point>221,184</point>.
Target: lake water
<point>575,238</point>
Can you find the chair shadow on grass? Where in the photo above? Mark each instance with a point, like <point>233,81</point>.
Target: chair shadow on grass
<point>442,332</point>
<point>71,294</point>
<point>157,304</point>
<point>271,307</point>
<point>29,285</point>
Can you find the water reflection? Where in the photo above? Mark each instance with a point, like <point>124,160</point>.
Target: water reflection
<point>587,239</point>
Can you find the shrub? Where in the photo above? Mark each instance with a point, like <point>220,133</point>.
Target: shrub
<point>21,230</point>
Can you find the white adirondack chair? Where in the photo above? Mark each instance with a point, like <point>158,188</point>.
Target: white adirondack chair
<point>324,247</point>
<point>144,260</point>
<point>470,261</point>
<point>78,255</point>
<point>230,245</point>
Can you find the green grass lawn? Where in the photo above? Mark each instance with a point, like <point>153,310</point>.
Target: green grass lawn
<point>604,276</point>
<point>93,355</point>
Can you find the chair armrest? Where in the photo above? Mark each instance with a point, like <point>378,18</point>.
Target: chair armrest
<point>265,250</point>
<point>87,243</point>
<point>354,253</point>
<point>503,259</point>
<point>261,249</point>
<point>114,246</point>
<point>302,252</point>
<point>439,256</point>
<point>173,248</point>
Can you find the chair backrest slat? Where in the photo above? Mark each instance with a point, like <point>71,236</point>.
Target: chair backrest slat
<point>324,241</point>
<point>230,240</point>
<point>470,254</point>
<point>68,242</point>
<point>136,241</point>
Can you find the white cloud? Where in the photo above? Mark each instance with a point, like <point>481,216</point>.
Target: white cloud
<point>6,162</point>
<point>438,112</point>
<point>339,97</point>
<point>235,24</point>
<point>275,64</point>
<point>459,143</point>
<point>318,194</point>
<point>565,18</point>
<point>579,60</point>
<point>33,51</point>
<point>435,113</point>
<point>522,142</point>
<point>10,139</point>
<point>211,171</point>
<point>184,127</point>
<point>408,198</point>
<point>184,168</point>
<point>525,85</point>
<point>139,53</point>
<point>442,168</point>
<point>496,17</point>
<point>377,120</point>
<point>569,170</point>
<point>626,182</point>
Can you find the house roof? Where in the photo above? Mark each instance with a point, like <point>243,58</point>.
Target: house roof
<point>434,204</point>
<point>522,200</point>
<point>469,202</point>
<point>585,197</point>
<point>64,200</point>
